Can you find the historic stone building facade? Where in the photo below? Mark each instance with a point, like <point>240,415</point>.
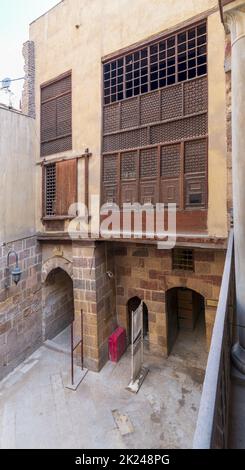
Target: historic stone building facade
<point>138,111</point>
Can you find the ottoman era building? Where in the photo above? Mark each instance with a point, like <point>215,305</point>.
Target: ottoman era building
<point>132,105</point>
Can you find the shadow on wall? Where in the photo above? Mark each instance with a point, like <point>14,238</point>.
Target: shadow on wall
<point>57,303</point>
<point>184,309</point>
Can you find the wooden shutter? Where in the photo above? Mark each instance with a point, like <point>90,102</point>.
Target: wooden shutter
<point>66,186</point>
<point>56,116</point>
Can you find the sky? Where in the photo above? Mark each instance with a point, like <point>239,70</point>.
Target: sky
<point>15,16</point>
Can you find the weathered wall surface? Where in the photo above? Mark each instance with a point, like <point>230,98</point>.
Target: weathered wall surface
<point>17,162</point>
<point>95,28</point>
<point>21,306</point>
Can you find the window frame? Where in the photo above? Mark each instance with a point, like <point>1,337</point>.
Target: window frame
<point>55,98</point>
<point>148,45</point>
<point>178,253</point>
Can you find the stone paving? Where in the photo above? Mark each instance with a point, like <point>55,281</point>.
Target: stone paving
<point>37,411</point>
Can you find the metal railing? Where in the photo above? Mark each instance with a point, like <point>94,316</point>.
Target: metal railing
<point>212,424</point>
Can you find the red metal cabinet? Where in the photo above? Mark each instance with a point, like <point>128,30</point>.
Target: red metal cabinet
<point>117,344</point>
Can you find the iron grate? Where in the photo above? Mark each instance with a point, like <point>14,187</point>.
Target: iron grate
<point>50,183</point>
<point>183,259</point>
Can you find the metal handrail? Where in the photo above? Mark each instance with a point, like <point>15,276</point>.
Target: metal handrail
<point>207,411</point>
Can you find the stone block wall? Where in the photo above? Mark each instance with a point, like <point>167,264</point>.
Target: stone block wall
<point>137,270</point>
<point>146,272</point>
<point>94,294</point>
<point>57,303</point>
<point>20,307</point>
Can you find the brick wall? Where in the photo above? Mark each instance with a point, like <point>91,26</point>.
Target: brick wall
<point>146,272</point>
<point>138,270</point>
<point>20,307</point>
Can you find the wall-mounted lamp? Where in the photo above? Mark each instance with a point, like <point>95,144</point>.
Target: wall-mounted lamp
<point>16,272</point>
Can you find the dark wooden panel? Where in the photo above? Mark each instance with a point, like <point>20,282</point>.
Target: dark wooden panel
<point>171,105</point>
<point>170,191</point>
<point>148,192</point>
<point>66,186</point>
<point>48,120</point>
<point>129,193</point>
<point>128,165</point>
<point>148,163</point>
<point>194,126</point>
<point>195,191</point>
<point>150,108</point>
<point>112,118</point>
<point>56,116</point>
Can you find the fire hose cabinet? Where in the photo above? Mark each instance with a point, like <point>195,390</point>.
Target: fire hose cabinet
<point>117,344</point>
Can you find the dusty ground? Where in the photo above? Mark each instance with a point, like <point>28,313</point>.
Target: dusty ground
<point>37,411</point>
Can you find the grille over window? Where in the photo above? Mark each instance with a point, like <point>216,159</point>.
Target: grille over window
<point>180,57</point>
<point>183,259</point>
<point>50,189</point>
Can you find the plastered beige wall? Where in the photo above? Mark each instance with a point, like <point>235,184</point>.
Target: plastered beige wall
<point>217,158</point>
<point>104,26</point>
<point>18,145</point>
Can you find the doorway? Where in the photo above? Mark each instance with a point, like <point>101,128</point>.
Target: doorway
<point>185,313</point>
<point>57,303</point>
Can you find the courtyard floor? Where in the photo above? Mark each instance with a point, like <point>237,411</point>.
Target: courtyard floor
<point>37,411</point>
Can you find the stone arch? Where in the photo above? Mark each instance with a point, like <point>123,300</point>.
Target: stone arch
<point>200,287</point>
<point>54,263</point>
<point>57,300</point>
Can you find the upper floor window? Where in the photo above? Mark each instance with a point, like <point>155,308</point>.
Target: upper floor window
<point>180,57</point>
<point>56,116</point>
<point>59,188</point>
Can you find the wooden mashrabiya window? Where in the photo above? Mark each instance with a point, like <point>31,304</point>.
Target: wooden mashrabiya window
<point>56,115</point>
<point>59,188</point>
<point>155,122</point>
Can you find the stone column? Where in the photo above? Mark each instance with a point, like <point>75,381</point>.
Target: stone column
<point>235,24</point>
<point>28,93</point>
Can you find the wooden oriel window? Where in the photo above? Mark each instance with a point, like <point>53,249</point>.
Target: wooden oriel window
<point>56,116</point>
<point>59,188</point>
<point>155,134</point>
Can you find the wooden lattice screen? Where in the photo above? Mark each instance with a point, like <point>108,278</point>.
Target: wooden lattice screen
<point>60,187</point>
<point>155,130</point>
<point>56,116</point>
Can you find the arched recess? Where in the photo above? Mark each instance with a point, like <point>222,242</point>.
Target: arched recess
<point>132,305</point>
<point>55,263</point>
<point>57,303</point>
<point>184,309</point>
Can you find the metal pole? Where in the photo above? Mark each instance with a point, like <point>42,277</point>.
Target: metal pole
<point>82,358</point>
<point>142,335</point>
<point>132,347</point>
<point>72,358</point>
